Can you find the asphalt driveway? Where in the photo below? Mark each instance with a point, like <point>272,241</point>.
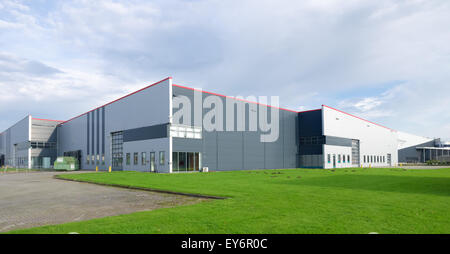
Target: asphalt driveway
<point>36,199</point>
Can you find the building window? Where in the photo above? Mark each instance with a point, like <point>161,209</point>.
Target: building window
<point>128,159</point>
<point>185,131</point>
<point>329,158</point>
<point>186,161</point>
<point>339,158</point>
<point>87,159</point>
<point>152,161</point>
<point>98,159</point>
<point>343,158</point>
<point>39,144</point>
<point>103,159</point>
<point>161,158</point>
<point>136,158</point>
<point>117,149</point>
<point>144,158</point>
<point>93,159</point>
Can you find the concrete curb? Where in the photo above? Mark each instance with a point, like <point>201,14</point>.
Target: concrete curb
<point>140,188</point>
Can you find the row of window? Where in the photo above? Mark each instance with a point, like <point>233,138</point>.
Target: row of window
<point>144,158</point>
<point>36,144</point>
<point>95,159</point>
<point>340,157</point>
<point>374,159</point>
<point>314,140</point>
<point>366,158</point>
<point>184,131</point>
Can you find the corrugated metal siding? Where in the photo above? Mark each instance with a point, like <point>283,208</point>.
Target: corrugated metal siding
<point>253,151</point>
<point>210,157</point>
<point>230,150</point>
<point>244,150</point>
<point>93,130</point>
<point>290,139</point>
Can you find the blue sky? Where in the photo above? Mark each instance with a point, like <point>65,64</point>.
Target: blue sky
<point>387,61</point>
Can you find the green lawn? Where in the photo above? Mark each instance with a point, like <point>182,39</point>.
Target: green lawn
<point>284,201</point>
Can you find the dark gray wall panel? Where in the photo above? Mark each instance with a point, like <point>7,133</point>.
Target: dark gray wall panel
<point>209,158</point>
<point>103,130</point>
<point>311,149</point>
<point>93,132</point>
<point>273,154</point>
<point>253,151</point>
<point>98,130</point>
<point>187,145</point>
<point>230,150</point>
<point>290,139</point>
<point>88,117</point>
<point>310,123</point>
<point>144,133</point>
<point>338,141</point>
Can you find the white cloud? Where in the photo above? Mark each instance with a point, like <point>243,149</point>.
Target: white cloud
<point>307,52</point>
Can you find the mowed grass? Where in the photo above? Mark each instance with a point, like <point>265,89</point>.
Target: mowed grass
<point>283,201</point>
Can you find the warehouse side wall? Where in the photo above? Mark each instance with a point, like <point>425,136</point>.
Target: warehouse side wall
<point>15,144</point>
<point>101,134</point>
<point>238,150</point>
<point>377,144</point>
<point>407,144</point>
<point>311,139</point>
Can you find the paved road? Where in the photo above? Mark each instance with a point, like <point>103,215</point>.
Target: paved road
<point>424,167</point>
<point>36,199</point>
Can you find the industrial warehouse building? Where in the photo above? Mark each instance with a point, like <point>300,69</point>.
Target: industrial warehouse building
<point>141,132</point>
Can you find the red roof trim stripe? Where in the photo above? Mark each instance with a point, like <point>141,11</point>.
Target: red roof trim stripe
<point>357,117</point>
<point>221,95</point>
<point>118,99</point>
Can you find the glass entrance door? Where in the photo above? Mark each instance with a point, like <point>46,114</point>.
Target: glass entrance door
<point>186,161</point>
<point>152,161</point>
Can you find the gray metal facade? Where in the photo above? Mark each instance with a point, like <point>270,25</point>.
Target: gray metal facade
<point>140,123</point>
<point>412,155</point>
<point>238,150</point>
<point>14,143</point>
<point>140,116</point>
<point>28,143</point>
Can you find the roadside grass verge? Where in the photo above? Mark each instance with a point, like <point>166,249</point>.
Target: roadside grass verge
<point>282,201</point>
<point>19,170</point>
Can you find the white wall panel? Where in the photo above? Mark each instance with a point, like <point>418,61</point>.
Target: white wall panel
<point>375,140</point>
